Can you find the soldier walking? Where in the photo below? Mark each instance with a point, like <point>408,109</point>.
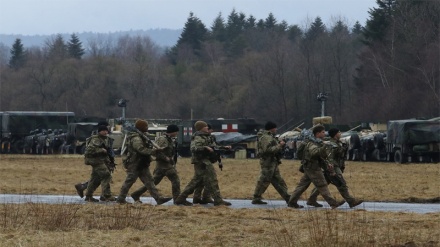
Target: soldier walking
<point>338,153</point>
<point>96,155</point>
<point>269,151</point>
<point>137,165</point>
<point>204,172</point>
<point>315,153</point>
<point>165,162</point>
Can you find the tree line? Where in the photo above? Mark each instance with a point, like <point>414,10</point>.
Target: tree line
<point>243,67</point>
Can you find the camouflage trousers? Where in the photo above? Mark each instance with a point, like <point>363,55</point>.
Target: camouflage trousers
<point>270,174</point>
<point>343,189</point>
<point>312,174</point>
<point>204,175</point>
<point>100,176</point>
<point>143,173</point>
<point>158,174</point>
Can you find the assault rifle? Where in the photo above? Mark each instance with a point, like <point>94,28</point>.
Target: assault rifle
<point>216,155</point>
<point>143,135</point>
<point>111,155</point>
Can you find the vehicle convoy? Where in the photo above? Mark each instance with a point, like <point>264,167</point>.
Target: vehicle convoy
<point>16,125</point>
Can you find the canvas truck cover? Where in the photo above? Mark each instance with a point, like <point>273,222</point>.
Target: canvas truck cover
<point>413,131</point>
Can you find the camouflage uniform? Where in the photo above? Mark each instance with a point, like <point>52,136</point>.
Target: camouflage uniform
<point>165,166</point>
<point>97,157</point>
<point>201,194</point>
<point>269,152</point>
<point>337,157</point>
<point>315,151</point>
<point>137,165</point>
<point>204,172</point>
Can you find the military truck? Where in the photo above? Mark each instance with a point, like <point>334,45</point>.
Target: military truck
<point>413,141</point>
<point>77,133</point>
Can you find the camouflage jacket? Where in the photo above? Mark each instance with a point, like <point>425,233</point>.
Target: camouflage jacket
<point>338,152</point>
<point>199,142</point>
<point>139,151</point>
<point>268,146</point>
<point>165,157</point>
<point>95,152</point>
<point>316,152</point>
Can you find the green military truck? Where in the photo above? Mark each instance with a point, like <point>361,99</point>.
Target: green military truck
<point>413,141</point>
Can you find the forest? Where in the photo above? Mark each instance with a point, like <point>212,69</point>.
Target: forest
<point>241,67</point>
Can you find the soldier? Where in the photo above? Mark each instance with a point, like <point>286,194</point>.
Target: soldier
<point>96,155</point>
<point>81,187</point>
<point>337,157</point>
<point>165,162</point>
<point>137,165</point>
<point>269,151</point>
<point>313,162</point>
<point>201,194</point>
<point>204,171</point>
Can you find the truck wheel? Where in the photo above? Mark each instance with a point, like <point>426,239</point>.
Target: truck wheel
<point>355,142</point>
<point>399,157</point>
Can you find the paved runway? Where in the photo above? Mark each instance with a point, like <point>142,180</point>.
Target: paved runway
<point>236,203</point>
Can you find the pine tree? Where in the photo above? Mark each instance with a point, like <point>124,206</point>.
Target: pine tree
<point>194,33</point>
<point>74,47</point>
<point>316,30</point>
<point>57,47</point>
<point>18,55</point>
<point>218,30</point>
<point>357,28</point>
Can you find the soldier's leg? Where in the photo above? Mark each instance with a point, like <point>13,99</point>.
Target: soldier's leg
<point>146,178</point>
<point>211,184</point>
<point>106,178</point>
<point>158,175</point>
<point>280,185</point>
<point>93,182</point>
<point>313,198</point>
<point>266,173</point>
<point>199,171</point>
<point>172,175</point>
<point>132,176</point>
<point>302,186</point>
<point>343,190</point>
<point>320,183</point>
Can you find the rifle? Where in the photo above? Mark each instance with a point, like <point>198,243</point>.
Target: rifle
<point>216,155</point>
<point>112,165</point>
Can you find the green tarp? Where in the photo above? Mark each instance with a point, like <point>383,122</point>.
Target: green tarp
<point>413,132</point>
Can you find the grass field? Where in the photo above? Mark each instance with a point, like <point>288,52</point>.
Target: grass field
<point>148,225</point>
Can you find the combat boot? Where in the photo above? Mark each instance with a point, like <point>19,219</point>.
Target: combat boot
<point>197,200</point>
<point>182,201</point>
<point>136,198</point>
<point>162,200</point>
<point>80,189</point>
<point>107,199</point>
<point>121,201</point>
<point>222,203</point>
<point>91,199</point>
<point>314,204</point>
<point>294,205</point>
<point>355,203</point>
<point>206,200</point>
<point>258,202</point>
<point>337,204</point>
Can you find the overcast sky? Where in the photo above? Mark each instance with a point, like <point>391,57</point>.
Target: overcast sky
<point>31,17</point>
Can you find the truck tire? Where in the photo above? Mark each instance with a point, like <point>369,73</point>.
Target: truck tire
<point>355,142</point>
<point>399,158</point>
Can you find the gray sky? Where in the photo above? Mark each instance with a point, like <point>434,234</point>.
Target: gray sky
<point>31,17</point>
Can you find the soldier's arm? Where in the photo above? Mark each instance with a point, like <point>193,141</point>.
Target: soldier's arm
<point>198,145</point>
<point>95,147</point>
<point>140,147</point>
<point>270,146</point>
<point>163,143</point>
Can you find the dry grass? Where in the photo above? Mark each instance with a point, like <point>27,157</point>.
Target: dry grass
<point>146,225</point>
